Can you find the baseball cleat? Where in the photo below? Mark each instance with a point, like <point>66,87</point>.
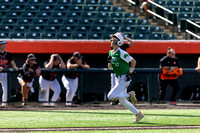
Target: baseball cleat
<point>132,97</point>
<point>138,117</point>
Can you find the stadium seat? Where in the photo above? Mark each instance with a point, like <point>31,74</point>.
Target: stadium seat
<point>43,15</point>
<point>196,10</point>
<point>156,29</point>
<point>174,3</point>
<point>20,29</point>
<point>81,29</point>
<point>117,9</point>
<point>99,22</point>
<point>76,8</point>
<point>51,29</point>
<point>24,21</point>
<point>114,22</point>
<point>63,2</point>
<point>14,15</point>
<point>10,21</point>
<point>78,36</point>
<point>6,2</point>
<point>35,29</point>
<point>106,3</point>
<point>117,15</point>
<point>129,22</point>
<point>54,22</point>
<point>70,22</point>
<point>48,36</point>
<point>1,15</point>
<point>105,9</point>
<point>103,15</point>
<point>4,8</point>
<point>129,15</point>
<point>40,22</point>
<point>111,29</point>
<point>107,36</point>
<point>78,2</point>
<point>196,16</point>
<point>46,8</point>
<point>85,22</point>
<point>89,15</point>
<point>141,29</point>
<point>73,15</point>
<point>20,2</point>
<point>31,8</point>
<point>97,29</point>
<point>32,35</point>
<point>34,2</point>
<point>186,10</point>
<point>66,29</point>
<point>4,35</point>
<point>61,8</point>
<point>48,2</point>
<point>91,9</point>
<point>93,2</point>
<point>17,8</point>
<point>140,36</point>
<point>94,36</point>
<point>189,4</point>
<point>166,36</point>
<point>16,35</point>
<point>58,15</point>
<point>197,4</point>
<point>154,36</point>
<point>62,36</point>
<point>143,22</point>
<point>28,15</point>
<point>127,29</point>
<point>5,29</point>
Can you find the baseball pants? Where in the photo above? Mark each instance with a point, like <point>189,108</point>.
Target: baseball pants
<point>71,85</point>
<point>47,85</point>
<point>3,81</point>
<point>119,92</point>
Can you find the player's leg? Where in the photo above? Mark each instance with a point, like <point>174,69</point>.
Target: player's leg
<point>44,92</point>
<point>163,86</point>
<point>117,91</point>
<point>3,80</point>
<point>67,82</point>
<point>55,86</point>
<point>176,88</point>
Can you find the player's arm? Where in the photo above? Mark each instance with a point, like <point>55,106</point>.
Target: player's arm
<point>14,65</point>
<point>84,65</point>
<point>49,65</point>
<point>62,64</point>
<point>129,40</point>
<point>132,66</point>
<point>198,65</point>
<point>71,66</point>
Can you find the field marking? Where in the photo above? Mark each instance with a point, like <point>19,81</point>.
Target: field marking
<point>98,128</point>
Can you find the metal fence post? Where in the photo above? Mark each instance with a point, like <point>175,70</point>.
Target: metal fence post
<point>149,85</point>
<point>80,91</point>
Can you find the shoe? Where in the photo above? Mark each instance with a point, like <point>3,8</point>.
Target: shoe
<point>172,103</point>
<point>24,103</point>
<point>138,117</point>
<point>52,104</point>
<point>45,104</point>
<point>68,104</point>
<point>4,104</point>
<point>132,97</point>
<point>114,103</point>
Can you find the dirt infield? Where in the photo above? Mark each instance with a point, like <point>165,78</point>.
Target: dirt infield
<point>98,107</point>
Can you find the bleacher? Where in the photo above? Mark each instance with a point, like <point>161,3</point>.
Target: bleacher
<point>183,9</point>
<point>72,19</point>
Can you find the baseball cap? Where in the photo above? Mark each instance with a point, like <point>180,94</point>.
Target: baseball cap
<point>77,55</point>
<point>3,42</point>
<point>31,56</point>
<point>55,58</point>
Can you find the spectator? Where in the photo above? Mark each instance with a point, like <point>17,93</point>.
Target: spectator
<point>48,80</point>
<point>70,79</point>
<point>5,59</point>
<point>30,69</point>
<point>170,66</point>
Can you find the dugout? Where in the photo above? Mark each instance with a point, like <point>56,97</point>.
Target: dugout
<point>95,85</point>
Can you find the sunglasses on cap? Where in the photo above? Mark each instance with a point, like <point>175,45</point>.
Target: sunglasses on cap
<point>3,42</point>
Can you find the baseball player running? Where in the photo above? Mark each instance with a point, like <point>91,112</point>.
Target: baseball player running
<point>70,79</point>
<point>119,60</point>
<point>48,80</point>
<point>5,59</point>
<point>26,77</point>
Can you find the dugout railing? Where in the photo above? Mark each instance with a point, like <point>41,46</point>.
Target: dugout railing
<point>147,74</point>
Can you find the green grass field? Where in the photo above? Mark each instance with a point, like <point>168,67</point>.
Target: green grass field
<point>100,118</point>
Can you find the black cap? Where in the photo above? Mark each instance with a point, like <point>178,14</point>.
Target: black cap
<point>77,55</point>
<point>55,58</point>
<point>31,56</point>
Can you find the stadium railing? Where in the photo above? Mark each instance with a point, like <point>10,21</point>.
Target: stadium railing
<point>195,27</point>
<point>148,71</point>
